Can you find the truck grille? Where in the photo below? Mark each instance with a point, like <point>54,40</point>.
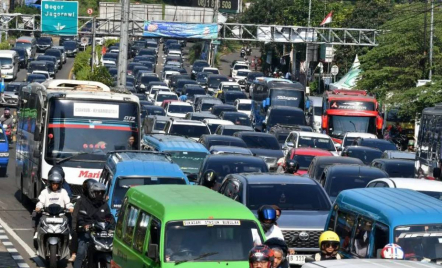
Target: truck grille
<point>294,240</point>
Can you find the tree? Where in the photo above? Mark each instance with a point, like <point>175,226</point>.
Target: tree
<point>392,69</point>
<point>101,74</point>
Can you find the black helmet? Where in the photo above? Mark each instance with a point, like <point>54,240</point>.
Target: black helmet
<point>266,212</point>
<point>292,166</point>
<point>96,191</point>
<point>87,185</point>
<point>56,169</point>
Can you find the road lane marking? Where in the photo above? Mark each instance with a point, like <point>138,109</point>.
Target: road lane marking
<point>21,263</point>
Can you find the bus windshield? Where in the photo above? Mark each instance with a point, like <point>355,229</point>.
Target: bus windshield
<point>420,241</point>
<point>23,45</point>
<point>284,97</point>
<point>94,127</point>
<point>339,125</point>
<point>189,162</point>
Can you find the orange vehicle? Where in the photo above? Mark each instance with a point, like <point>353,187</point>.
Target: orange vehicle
<point>350,111</point>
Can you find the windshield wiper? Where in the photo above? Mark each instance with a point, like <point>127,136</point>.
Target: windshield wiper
<point>73,156</point>
<point>197,258</point>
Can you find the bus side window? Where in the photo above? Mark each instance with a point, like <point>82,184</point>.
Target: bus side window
<point>344,229</point>
<point>155,232</point>
<point>362,237</point>
<point>381,234</point>
<point>129,226</point>
<point>121,217</point>
<point>141,231</point>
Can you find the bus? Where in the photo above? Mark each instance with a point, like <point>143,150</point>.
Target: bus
<point>429,144</point>
<point>350,111</point>
<point>73,124</point>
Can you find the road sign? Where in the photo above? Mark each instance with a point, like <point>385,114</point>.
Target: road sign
<point>59,17</point>
<point>216,42</point>
<point>334,70</point>
<point>84,41</point>
<point>90,11</point>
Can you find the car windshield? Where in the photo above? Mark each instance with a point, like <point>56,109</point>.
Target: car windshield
<point>109,56</point>
<point>189,162</point>
<point>182,109</point>
<point>20,52</point>
<point>231,88</point>
<point>238,67</point>
<point>285,97</point>
<point>190,92</point>
<point>347,181</point>
<point>214,82</point>
<point>348,141</point>
<point>201,78</point>
<point>89,127</point>
<point>242,73</point>
<point>44,40</point>
<point>210,240</point>
<point>420,242</point>
<point>36,78</point>
<point>191,131</point>
<point>282,117</point>
<point>12,88</point>
<point>232,96</point>
<point>159,125</point>
<point>317,110</point>
<point>287,196</point>
<point>55,53</point>
<point>155,110</point>
<point>245,106</point>
<point>155,90</point>
<point>400,169</point>
<point>261,142</point>
<point>319,143</point>
<point>163,97</point>
<point>5,61</point>
<point>281,137</point>
<point>303,161</point>
<point>212,71</point>
<point>231,131</point>
<point>365,156</point>
<point>23,45</point>
<point>236,119</point>
<point>141,44</point>
<point>207,106</point>
<point>122,185</point>
<point>380,144</point>
<point>226,167</point>
<point>339,125</point>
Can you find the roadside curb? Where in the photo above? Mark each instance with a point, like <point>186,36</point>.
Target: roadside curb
<point>71,72</point>
<point>9,256</point>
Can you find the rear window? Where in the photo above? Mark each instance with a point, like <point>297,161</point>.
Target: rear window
<point>400,170</point>
<point>238,67</point>
<point>261,142</point>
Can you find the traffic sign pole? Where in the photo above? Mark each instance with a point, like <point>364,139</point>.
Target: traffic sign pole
<point>59,17</point>
<point>93,44</point>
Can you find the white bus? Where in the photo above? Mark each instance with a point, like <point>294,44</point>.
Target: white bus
<point>74,124</point>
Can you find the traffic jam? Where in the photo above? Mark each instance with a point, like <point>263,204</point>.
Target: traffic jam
<point>196,168</point>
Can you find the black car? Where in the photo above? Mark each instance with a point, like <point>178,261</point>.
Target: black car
<point>113,72</point>
<point>200,116</point>
<point>201,79</point>
<point>382,145</point>
<point>365,154</point>
<point>66,38</point>
<point>229,130</point>
<point>213,81</point>
<point>396,168</point>
<point>198,98</point>
<point>236,118</point>
<point>151,110</point>
<point>154,124</point>
<point>251,77</point>
<point>263,145</point>
<point>216,167</point>
<point>190,90</point>
<point>206,104</point>
<point>44,43</point>
<point>174,79</point>
<point>49,58</point>
<point>217,109</point>
<point>214,140</point>
<point>180,83</point>
<point>337,178</point>
<point>71,48</point>
<point>229,97</point>
<point>283,115</point>
<point>197,66</point>
<point>22,56</point>
<point>320,162</point>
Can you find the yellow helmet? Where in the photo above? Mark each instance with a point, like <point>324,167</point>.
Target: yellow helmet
<point>328,236</point>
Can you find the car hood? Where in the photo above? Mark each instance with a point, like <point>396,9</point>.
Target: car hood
<point>267,152</point>
<point>302,219</point>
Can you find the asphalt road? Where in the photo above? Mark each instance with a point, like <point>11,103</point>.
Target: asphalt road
<point>17,216</point>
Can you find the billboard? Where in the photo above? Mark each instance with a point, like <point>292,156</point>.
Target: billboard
<point>224,6</point>
<point>180,30</point>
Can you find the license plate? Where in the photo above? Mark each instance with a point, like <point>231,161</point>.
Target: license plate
<point>298,259</point>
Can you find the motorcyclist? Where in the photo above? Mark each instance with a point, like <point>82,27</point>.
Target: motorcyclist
<point>329,245</point>
<point>52,194</point>
<point>261,256</point>
<point>410,147</point>
<point>92,209</point>
<point>267,218</point>
<point>291,167</point>
<point>7,118</point>
<point>280,252</point>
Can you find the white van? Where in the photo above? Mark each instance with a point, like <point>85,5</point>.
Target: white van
<point>9,62</point>
<point>315,113</point>
<point>29,43</point>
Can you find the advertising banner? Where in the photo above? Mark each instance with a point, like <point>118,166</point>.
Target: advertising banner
<point>180,30</point>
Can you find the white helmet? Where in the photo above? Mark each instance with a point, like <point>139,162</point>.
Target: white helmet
<point>392,251</point>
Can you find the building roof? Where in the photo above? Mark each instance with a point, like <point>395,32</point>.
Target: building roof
<point>184,202</point>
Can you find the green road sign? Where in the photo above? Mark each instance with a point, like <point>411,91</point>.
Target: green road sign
<point>59,17</point>
<point>216,42</point>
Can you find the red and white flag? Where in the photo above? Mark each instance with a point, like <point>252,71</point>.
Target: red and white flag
<point>327,19</point>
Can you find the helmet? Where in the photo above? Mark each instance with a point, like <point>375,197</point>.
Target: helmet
<point>292,166</point>
<point>392,251</point>
<point>87,184</point>
<point>97,191</point>
<point>328,236</point>
<point>410,142</point>
<point>267,212</point>
<point>56,169</point>
<point>261,253</point>
<point>55,178</point>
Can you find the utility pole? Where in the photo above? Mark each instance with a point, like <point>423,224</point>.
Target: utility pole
<point>431,39</point>
<point>124,43</point>
<point>93,44</point>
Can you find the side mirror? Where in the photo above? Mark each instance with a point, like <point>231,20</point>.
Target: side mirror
<point>290,144</point>
<point>209,178</point>
<point>152,252</point>
<point>191,177</point>
<point>437,172</point>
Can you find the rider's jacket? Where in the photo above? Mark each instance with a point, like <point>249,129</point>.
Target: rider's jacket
<point>48,197</point>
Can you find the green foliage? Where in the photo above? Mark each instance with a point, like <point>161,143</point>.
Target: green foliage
<point>110,42</point>
<point>82,68</point>
<point>101,74</point>
<point>5,45</point>
<point>392,69</point>
<point>195,52</point>
<point>26,10</point>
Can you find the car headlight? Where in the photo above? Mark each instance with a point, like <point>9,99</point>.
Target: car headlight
<point>4,154</point>
<point>269,160</point>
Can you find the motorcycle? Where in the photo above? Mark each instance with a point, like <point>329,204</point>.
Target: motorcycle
<point>243,53</point>
<point>8,132</point>
<point>248,51</point>
<point>99,253</point>
<point>401,142</point>
<point>53,235</point>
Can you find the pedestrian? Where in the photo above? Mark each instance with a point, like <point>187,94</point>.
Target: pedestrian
<point>410,148</point>
<point>131,143</point>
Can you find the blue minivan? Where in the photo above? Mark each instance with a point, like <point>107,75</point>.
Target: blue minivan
<point>126,169</point>
<point>4,152</point>
<point>369,218</point>
<point>187,153</point>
